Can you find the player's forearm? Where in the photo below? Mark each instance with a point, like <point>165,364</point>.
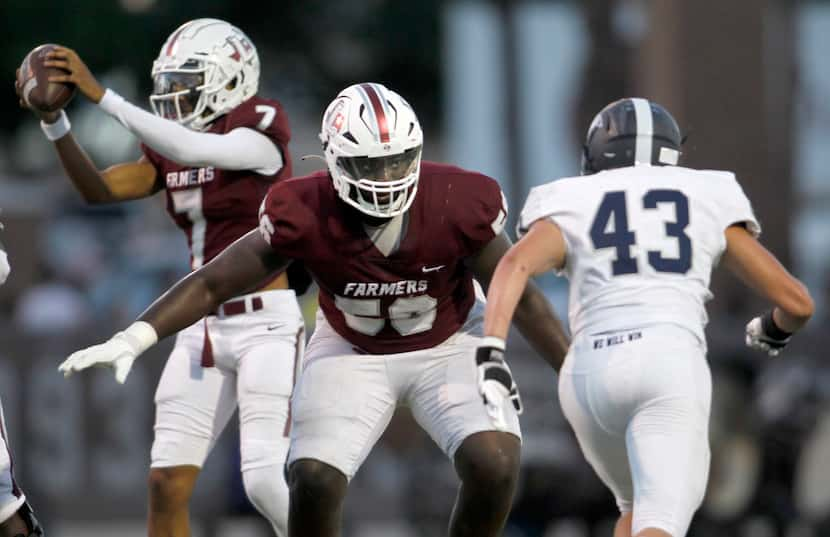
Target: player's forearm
<point>83,173</point>
<point>539,324</point>
<point>505,290</point>
<point>242,267</point>
<point>185,303</point>
<point>232,151</point>
<point>797,312</point>
<point>760,269</point>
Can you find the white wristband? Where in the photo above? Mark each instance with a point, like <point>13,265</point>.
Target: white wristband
<point>141,336</point>
<point>493,341</point>
<point>58,129</point>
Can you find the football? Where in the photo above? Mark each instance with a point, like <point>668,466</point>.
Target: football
<point>35,88</point>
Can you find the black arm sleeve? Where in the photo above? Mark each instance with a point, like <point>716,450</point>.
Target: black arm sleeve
<point>244,266</point>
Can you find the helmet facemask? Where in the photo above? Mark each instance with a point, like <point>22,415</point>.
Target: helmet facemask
<point>177,95</point>
<point>382,187</point>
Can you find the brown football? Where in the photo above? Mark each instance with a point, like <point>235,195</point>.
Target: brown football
<point>35,87</point>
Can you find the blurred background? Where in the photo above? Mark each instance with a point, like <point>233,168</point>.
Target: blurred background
<point>504,87</point>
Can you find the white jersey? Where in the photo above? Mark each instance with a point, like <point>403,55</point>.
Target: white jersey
<point>641,242</point>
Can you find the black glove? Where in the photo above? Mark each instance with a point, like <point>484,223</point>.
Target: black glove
<point>762,333</point>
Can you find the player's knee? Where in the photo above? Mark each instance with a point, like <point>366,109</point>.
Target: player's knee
<point>169,487</point>
<point>489,464</point>
<point>312,480</point>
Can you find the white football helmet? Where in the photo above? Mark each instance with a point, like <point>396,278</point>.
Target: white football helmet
<point>206,68</point>
<point>372,144</point>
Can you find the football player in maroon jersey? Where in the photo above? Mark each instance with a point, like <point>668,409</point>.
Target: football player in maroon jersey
<point>394,245</point>
<point>16,516</point>
<point>215,147</point>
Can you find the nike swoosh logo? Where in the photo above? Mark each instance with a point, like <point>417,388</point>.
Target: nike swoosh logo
<point>275,326</point>
<point>432,269</point>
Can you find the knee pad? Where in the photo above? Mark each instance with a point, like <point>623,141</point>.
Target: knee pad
<point>266,489</point>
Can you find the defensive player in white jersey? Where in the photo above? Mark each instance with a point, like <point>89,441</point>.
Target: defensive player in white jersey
<point>638,240</point>
<point>16,517</point>
<point>214,146</point>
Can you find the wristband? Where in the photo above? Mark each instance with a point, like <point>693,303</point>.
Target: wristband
<point>141,336</point>
<point>58,129</point>
<point>493,341</point>
<point>771,329</point>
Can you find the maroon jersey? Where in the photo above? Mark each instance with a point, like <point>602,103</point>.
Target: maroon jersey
<point>214,207</point>
<point>418,295</point>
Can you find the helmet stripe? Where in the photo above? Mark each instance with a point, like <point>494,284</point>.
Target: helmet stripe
<point>174,38</point>
<point>380,114</point>
<point>645,131</point>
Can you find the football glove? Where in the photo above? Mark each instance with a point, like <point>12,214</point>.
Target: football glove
<point>118,353</point>
<point>763,334</point>
<point>495,382</point>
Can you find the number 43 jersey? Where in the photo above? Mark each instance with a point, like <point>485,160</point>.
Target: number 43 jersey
<point>213,206</point>
<point>641,242</point>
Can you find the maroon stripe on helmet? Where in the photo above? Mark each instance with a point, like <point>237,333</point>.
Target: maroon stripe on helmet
<point>173,40</point>
<point>380,115</point>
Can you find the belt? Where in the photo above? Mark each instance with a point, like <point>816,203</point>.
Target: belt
<point>228,309</point>
<point>239,306</point>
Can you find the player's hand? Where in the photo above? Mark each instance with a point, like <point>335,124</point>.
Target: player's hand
<point>495,381</point>
<point>763,334</point>
<point>47,117</point>
<point>79,74</point>
<point>118,353</point>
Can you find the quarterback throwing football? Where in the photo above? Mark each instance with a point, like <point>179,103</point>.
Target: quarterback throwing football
<point>215,147</point>
<point>394,244</point>
<point>638,238</point>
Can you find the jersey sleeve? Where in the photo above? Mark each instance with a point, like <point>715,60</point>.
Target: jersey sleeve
<point>482,214</point>
<point>735,207</point>
<point>285,222</point>
<point>540,203</point>
<point>268,117</point>
<point>545,202</point>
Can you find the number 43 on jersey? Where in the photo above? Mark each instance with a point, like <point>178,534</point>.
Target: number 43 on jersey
<point>613,209</point>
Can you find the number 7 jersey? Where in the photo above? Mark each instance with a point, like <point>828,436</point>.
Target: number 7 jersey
<point>641,242</point>
<point>213,206</point>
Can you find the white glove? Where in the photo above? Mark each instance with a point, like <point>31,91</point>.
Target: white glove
<point>5,268</point>
<point>119,352</point>
<point>763,334</point>
<point>495,382</point>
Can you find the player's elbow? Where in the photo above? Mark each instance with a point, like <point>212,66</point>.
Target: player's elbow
<point>798,302</point>
<point>515,265</point>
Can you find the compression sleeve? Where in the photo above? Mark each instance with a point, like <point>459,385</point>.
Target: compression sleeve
<point>240,149</point>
